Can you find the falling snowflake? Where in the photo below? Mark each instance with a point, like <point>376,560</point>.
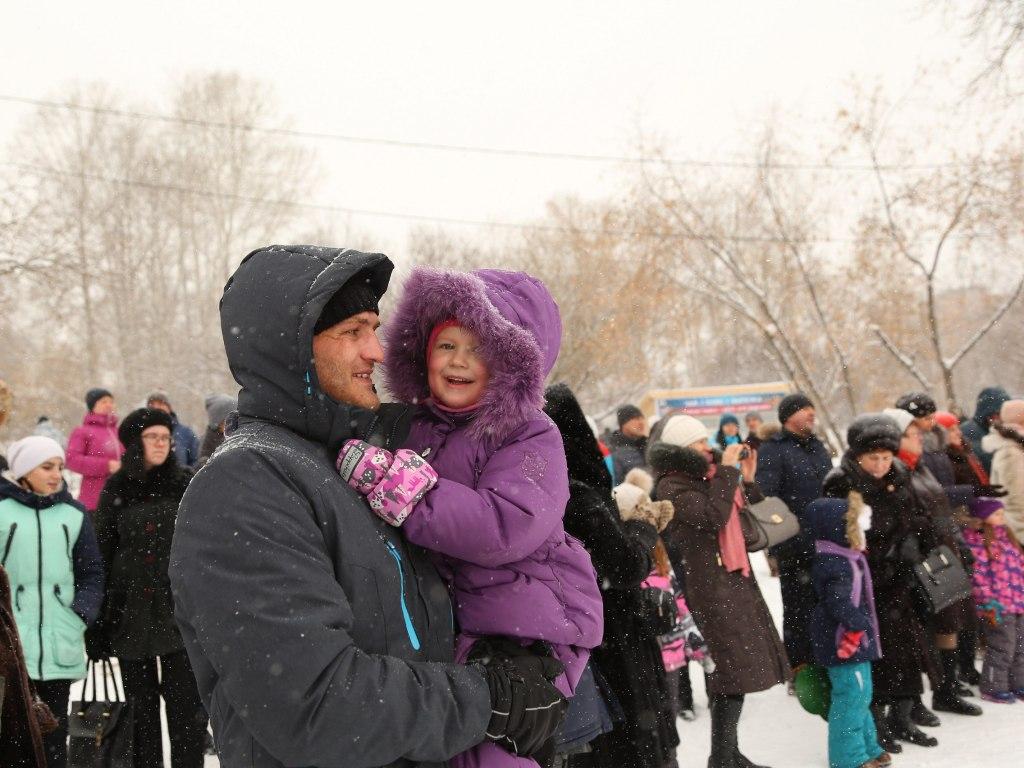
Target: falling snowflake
<point>534,467</point>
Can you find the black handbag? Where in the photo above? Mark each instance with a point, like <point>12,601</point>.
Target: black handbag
<point>102,732</point>
<point>767,523</point>
<point>941,580</point>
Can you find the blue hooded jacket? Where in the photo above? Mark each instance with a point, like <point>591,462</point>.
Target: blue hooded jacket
<point>845,600</point>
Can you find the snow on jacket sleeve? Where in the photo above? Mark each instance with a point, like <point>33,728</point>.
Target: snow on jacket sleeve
<point>835,583</point>
<point>89,573</point>
<point>251,573</point>
<point>78,458</point>
<point>518,501</point>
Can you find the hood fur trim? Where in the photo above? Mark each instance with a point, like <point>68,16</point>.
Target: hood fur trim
<point>854,535</point>
<point>665,458</point>
<point>514,358</point>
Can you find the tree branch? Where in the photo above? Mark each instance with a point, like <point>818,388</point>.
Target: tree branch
<point>905,360</point>
<point>988,326</point>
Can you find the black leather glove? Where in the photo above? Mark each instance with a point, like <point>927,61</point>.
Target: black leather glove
<point>659,608</point>
<point>526,709</point>
<point>990,491</point>
<point>97,646</point>
<point>910,550</point>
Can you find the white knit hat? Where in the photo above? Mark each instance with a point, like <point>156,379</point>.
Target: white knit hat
<point>902,418</point>
<point>29,452</point>
<point>683,431</point>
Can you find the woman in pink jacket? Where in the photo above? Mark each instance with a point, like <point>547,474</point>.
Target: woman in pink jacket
<point>94,451</point>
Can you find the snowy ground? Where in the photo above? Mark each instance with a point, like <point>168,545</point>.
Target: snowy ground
<point>776,732</point>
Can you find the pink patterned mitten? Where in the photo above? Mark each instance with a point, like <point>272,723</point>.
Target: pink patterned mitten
<point>406,481</point>
<point>362,465</point>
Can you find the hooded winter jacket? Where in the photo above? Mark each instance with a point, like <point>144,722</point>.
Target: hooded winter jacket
<point>319,637</point>
<point>91,448</point>
<point>496,511</point>
<point>998,573</point>
<point>56,573</point>
<point>990,401</point>
<point>895,517</point>
<point>842,581</point>
<point>1006,447</point>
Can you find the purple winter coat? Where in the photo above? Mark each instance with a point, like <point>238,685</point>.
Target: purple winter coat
<point>91,448</point>
<point>496,512</point>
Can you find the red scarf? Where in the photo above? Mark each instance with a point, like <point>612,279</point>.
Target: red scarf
<point>910,459</point>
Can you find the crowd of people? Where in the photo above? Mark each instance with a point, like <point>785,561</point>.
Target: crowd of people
<point>472,575</point>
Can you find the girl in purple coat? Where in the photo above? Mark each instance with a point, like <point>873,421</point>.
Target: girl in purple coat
<point>482,479</point>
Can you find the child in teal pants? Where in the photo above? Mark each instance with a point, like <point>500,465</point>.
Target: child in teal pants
<point>844,628</point>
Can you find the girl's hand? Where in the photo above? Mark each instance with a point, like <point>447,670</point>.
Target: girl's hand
<point>405,482</point>
<point>731,455</point>
<point>362,465</point>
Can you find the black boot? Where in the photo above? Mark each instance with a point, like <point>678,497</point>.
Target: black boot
<point>725,722</point>
<point>945,698</point>
<point>903,729</point>
<point>885,738</point>
<point>743,762</point>
<point>966,651</point>
<point>922,716</point>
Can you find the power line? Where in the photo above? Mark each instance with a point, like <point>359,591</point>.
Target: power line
<point>508,225</point>
<point>473,148</point>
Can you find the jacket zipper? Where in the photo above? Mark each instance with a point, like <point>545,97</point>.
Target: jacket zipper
<point>56,594</point>
<point>39,537</point>
<point>17,597</point>
<point>10,541</point>
<point>67,543</point>
<point>410,630</point>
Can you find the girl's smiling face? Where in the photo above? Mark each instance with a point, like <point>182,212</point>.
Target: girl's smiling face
<point>456,373</point>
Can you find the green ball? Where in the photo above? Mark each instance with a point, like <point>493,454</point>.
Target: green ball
<point>813,689</point>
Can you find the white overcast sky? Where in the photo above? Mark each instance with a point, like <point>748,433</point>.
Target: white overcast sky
<point>584,77</point>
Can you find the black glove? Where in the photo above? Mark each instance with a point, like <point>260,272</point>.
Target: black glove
<point>659,609</point>
<point>910,550</point>
<point>97,646</point>
<point>526,709</point>
<point>990,491</point>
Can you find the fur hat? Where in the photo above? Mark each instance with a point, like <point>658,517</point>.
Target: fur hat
<point>1012,412</point>
<point>139,420</point>
<point>634,501</point>
<point>873,432</point>
<point>683,431</point>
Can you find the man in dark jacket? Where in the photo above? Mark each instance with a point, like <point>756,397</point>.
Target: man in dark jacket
<point>319,637</point>
<point>792,465</point>
<point>986,413</point>
<point>629,443</point>
<point>186,444</point>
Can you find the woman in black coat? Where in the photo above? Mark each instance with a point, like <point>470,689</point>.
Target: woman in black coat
<point>629,658</point>
<point>900,531</point>
<point>134,526</point>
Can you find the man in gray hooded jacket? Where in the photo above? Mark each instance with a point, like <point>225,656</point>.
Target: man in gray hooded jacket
<point>318,636</point>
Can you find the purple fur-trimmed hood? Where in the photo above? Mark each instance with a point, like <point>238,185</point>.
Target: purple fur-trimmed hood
<point>520,332</point>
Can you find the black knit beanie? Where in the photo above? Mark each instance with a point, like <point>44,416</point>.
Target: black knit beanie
<point>93,396</point>
<point>627,413</point>
<point>791,404</point>
<point>352,298</point>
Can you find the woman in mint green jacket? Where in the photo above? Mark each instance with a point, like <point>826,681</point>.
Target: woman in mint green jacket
<point>49,550</point>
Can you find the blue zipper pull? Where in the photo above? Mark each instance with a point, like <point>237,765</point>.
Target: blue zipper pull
<point>410,630</point>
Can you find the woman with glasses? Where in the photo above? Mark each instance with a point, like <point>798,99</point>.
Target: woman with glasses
<point>134,525</point>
